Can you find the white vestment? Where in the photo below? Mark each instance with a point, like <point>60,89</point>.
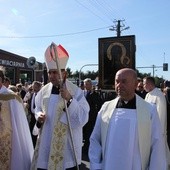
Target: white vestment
<point>157,97</point>
<point>119,148</point>
<point>22,147</point>
<point>78,111</point>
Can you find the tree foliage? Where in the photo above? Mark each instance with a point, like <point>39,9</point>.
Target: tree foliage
<point>94,74</point>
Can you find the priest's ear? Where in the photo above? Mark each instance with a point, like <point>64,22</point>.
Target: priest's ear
<point>64,73</point>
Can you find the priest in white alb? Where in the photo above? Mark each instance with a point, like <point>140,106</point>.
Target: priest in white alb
<point>127,133</point>
<point>55,150</point>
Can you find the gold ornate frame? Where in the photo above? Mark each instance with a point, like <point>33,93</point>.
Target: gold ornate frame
<point>115,53</point>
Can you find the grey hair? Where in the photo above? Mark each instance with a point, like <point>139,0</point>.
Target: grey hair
<point>87,80</point>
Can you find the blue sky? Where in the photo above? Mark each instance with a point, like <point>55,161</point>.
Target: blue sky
<point>28,27</point>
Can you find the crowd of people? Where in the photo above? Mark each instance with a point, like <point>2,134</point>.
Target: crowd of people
<point>50,126</point>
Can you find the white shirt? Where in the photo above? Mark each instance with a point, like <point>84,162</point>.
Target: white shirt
<point>33,103</point>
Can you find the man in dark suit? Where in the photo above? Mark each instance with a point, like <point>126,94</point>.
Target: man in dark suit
<point>36,85</point>
<point>95,102</point>
<point>140,90</point>
<point>21,90</point>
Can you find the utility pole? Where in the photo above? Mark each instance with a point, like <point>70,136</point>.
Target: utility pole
<point>117,27</point>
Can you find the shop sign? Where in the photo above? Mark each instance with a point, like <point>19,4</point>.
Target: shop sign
<point>11,63</point>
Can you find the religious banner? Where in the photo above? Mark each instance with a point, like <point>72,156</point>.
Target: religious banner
<point>114,53</point>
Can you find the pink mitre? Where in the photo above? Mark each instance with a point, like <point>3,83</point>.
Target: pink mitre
<point>50,58</point>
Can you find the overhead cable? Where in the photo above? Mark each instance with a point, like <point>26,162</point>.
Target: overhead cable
<point>56,35</point>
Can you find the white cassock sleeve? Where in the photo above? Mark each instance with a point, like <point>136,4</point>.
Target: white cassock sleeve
<point>158,155</point>
<point>95,149</point>
<point>22,147</point>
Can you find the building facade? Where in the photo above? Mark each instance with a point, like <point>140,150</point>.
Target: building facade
<point>21,69</point>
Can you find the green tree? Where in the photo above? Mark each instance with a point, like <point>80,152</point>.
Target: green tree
<point>69,72</point>
<point>94,74</point>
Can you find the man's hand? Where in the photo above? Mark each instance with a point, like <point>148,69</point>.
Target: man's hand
<point>65,94</point>
<point>41,118</point>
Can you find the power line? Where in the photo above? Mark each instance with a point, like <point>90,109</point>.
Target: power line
<point>101,8</point>
<point>89,10</point>
<point>56,35</point>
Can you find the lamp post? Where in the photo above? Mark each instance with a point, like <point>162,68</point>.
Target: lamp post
<point>83,67</point>
<point>153,68</point>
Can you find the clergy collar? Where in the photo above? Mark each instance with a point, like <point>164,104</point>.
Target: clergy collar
<point>55,90</point>
<point>131,104</point>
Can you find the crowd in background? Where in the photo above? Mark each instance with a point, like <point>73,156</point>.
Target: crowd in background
<point>26,91</point>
